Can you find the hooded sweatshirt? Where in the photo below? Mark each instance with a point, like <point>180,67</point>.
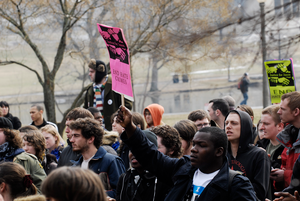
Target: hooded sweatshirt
<point>252,161</point>
<point>156,112</point>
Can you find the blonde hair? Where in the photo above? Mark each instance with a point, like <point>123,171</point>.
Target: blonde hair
<point>51,130</point>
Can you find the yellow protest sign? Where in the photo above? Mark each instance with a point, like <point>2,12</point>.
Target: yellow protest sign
<point>281,78</point>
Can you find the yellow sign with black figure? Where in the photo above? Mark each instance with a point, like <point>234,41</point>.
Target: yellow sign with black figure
<point>281,78</point>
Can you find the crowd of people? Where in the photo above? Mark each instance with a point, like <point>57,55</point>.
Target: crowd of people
<point>112,153</point>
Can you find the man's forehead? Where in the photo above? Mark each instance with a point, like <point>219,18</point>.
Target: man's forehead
<point>201,136</point>
<point>33,108</point>
<point>202,120</point>
<point>75,131</point>
<point>69,121</point>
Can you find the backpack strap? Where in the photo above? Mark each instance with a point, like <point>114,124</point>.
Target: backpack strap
<point>232,174</point>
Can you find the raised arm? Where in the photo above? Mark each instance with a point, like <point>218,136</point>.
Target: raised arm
<point>124,118</point>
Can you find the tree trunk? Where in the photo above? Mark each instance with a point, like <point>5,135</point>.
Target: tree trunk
<point>49,99</point>
<point>154,77</point>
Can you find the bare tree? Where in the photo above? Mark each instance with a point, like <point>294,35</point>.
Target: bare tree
<point>18,15</point>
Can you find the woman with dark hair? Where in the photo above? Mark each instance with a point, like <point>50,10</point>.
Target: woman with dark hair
<point>73,184</point>
<point>11,151</point>
<point>14,182</point>
<point>34,143</point>
<point>5,112</point>
<point>187,130</point>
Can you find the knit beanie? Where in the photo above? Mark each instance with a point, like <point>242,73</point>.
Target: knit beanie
<point>5,123</point>
<point>151,137</point>
<point>100,68</point>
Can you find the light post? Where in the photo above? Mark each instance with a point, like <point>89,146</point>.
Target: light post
<point>265,92</point>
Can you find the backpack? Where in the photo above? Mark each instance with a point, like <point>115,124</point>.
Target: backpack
<point>239,84</point>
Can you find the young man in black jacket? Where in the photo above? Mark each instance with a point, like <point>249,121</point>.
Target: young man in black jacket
<point>68,153</point>
<point>243,156</point>
<point>203,177</point>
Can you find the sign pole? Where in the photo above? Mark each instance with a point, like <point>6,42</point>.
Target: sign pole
<point>122,99</point>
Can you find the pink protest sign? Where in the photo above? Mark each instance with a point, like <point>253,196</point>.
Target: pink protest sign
<point>119,59</point>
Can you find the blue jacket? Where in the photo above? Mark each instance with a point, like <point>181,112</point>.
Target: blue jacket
<point>179,173</point>
<point>108,166</point>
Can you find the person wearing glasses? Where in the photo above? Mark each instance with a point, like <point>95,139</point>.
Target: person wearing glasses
<point>201,118</point>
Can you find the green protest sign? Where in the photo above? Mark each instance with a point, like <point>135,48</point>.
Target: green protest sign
<point>281,78</point>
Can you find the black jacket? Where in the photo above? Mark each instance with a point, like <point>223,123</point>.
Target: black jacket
<point>244,85</point>
<point>123,153</point>
<point>49,163</point>
<point>66,155</point>
<point>148,188</point>
<point>252,161</point>
<point>14,120</point>
<point>179,173</point>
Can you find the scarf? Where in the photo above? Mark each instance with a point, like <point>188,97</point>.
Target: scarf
<point>98,96</point>
<point>6,151</point>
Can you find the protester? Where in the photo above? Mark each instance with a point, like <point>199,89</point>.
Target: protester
<point>244,85</point>
<point>153,115</point>
<point>271,126</point>
<point>138,120</point>
<point>200,117</point>
<point>36,114</point>
<point>168,141</point>
<point>34,143</point>
<point>183,174</point>
<point>14,182</point>
<point>86,138</point>
<point>243,156</point>
<point>11,151</point>
<point>138,183</point>
<point>100,94</point>
<point>217,110</point>
<point>67,154</point>
<point>14,120</point>
<point>97,114</point>
<point>289,114</point>
<point>73,184</point>
<point>54,143</point>
<point>186,129</point>
<point>260,132</point>
<point>295,180</point>
<point>230,101</point>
